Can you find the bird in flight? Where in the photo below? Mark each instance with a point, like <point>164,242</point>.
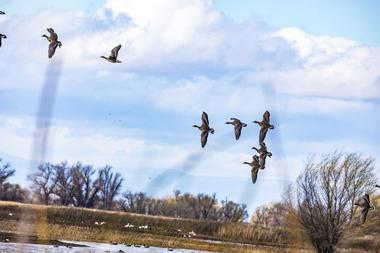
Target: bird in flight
<point>205,129</point>
<point>2,13</point>
<point>264,126</point>
<point>2,36</point>
<point>238,125</point>
<point>365,203</point>
<point>113,57</point>
<point>54,43</point>
<point>263,154</point>
<point>255,166</point>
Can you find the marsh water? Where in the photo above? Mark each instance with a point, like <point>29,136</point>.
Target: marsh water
<point>91,248</point>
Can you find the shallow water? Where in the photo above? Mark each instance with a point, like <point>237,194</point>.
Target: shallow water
<point>93,248</point>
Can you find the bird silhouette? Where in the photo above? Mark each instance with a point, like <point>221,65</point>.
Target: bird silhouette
<point>113,57</point>
<point>264,126</point>
<point>54,43</point>
<point>263,154</point>
<point>238,125</point>
<point>205,129</point>
<point>365,203</point>
<point>2,13</point>
<point>255,166</point>
<point>2,36</point>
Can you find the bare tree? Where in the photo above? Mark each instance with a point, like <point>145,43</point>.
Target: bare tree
<point>64,185</point>
<point>110,183</point>
<point>5,172</point>
<point>326,192</point>
<point>85,187</point>
<point>43,182</point>
<point>14,192</point>
<point>206,205</point>
<point>272,215</point>
<point>232,212</point>
<point>135,202</point>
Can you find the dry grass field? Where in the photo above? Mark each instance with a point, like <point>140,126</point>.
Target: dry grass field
<point>49,223</point>
<point>53,223</point>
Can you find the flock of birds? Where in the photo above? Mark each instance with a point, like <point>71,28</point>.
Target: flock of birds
<point>259,160</point>
<point>54,43</point>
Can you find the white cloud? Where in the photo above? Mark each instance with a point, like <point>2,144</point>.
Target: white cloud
<point>17,137</point>
<point>333,67</point>
<point>194,38</point>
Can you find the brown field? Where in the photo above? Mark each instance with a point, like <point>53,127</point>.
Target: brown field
<point>62,223</point>
<point>46,224</point>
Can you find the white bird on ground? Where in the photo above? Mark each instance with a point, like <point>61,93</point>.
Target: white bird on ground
<point>129,226</point>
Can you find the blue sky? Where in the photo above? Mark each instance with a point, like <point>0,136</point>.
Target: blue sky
<point>314,65</point>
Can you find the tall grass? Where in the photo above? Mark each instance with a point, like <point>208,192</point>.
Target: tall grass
<point>42,216</point>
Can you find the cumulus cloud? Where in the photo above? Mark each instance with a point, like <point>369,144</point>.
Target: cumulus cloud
<point>181,57</point>
<point>328,66</point>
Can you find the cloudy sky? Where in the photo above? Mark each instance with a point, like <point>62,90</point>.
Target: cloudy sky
<point>314,64</point>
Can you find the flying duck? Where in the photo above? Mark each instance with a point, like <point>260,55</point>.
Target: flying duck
<point>238,125</point>
<point>264,126</point>
<point>365,203</point>
<point>263,153</point>
<point>2,36</point>
<point>113,57</point>
<point>255,165</point>
<point>53,39</point>
<point>205,129</point>
<point>2,13</point>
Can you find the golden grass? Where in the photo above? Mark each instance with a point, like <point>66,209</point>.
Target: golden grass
<point>77,224</point>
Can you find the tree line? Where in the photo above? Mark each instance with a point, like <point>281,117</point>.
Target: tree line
<point>318,208</point>
<point>85,186</point>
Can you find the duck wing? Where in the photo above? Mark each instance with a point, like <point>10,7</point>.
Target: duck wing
<point>238,128</point>
<point>366,199</point>
<point>204,136</point>
<point>363,201</point>
<point>262,160</point>
<point>254,172</point>
<point>363,215</point>
<point>205,119</point>
<point>115,51</point>
<point>52,47</point>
